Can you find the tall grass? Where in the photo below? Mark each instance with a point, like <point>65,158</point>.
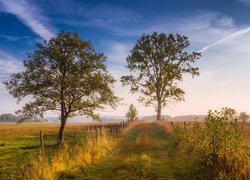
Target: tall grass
<point>219,143</point>
<point>70,159</point>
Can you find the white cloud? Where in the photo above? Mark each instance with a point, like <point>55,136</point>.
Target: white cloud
<point>117,52</point>
<point>30,15</point>
<point>102,15</point>
<point>8,65</point>
<point>247,2</point>
<point>234,35</point>
<point>202,28</point>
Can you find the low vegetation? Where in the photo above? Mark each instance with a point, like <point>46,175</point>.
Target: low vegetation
<point>217,148</point>
<point>70,159</point>
<point>220,144</point>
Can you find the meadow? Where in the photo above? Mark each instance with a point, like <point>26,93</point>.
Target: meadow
<point>141,150</point>
<point>19,143</point>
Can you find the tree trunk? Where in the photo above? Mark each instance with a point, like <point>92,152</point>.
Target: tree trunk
<point>60,139</point>
<point>158,118</point>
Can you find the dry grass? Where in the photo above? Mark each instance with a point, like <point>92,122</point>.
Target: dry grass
<point>69,160</point>
<point>167,126</point>
<point>20,142</point>
<point>131,125</point>
<point>143,141</point>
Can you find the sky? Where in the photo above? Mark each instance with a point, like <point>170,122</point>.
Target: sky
<point>220,30</point>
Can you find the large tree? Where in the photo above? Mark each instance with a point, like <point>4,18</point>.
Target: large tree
<point>157,63</point>
<point>64,74</point>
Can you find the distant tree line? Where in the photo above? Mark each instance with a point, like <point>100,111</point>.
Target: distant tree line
<point>8,118</point>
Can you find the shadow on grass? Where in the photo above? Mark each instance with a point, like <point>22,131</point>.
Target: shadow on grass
<point>38,147</point>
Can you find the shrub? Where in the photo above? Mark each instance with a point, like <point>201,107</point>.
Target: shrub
<point>220,143</point>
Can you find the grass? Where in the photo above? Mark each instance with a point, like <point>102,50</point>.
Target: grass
<point>18,142</point>
<point>144,151</point>
<point>147,151</point>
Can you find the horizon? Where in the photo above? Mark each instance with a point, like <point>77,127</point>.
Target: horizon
<point>113,27</point>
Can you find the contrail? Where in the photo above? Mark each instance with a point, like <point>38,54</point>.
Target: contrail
<point>231,36</point>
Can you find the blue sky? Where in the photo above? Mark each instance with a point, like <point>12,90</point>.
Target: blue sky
<point>220,29</point>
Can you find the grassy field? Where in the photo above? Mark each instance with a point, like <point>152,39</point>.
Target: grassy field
<point>142,151</point>
<point>20,142</point>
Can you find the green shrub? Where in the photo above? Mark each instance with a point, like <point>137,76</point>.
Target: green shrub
<point>219,143</point>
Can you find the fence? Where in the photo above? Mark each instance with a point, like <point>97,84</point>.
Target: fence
<point>113,130</point>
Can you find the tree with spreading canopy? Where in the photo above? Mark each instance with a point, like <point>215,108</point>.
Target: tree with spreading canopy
<point>64,74</point>
<point>157,63</point>
<point>132,113</point>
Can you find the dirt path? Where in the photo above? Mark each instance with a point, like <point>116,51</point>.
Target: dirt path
<point>144,153</point>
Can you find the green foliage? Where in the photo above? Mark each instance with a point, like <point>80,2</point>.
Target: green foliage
<point>64,74</point>
<point>156,63</point>
<point>132,113</point>
<point>218,142</point>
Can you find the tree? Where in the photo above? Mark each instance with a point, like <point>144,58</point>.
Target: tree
<point>231,112</point>
<point>132,113</point>
<point>156,63</point>
<point>64,74</point>
<point>244,116</point>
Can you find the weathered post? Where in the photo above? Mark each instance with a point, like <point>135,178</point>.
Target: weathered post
<point>75,138</point>
<point>185,126</point>
<point>172,124</point>
<point>41,140</point>
<point>116,129</point>
<point>111,130</point>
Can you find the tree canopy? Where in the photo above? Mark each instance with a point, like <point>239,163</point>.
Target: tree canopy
<point>157,63</point>
<point>64,74</point>
<point>132,113</point>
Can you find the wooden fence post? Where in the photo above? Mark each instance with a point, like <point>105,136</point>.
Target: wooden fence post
<point>185,126</point>
<point>41,140</point>
<point>75,137</point>
<point>111,130</point>
<point>116,129</point>
<point>172,124</point>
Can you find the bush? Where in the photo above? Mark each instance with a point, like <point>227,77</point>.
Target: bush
<point>220,143</point>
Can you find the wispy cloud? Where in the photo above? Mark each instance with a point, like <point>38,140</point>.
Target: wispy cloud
<point>8,65</point>
<point>101,15</point>
<point>111,14</point>
<point>247,2</point>
<point>14,38</point>
<point>28,13</point>
<point>231,36</point>
<point>117,53</point>
<point>198,27</point>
